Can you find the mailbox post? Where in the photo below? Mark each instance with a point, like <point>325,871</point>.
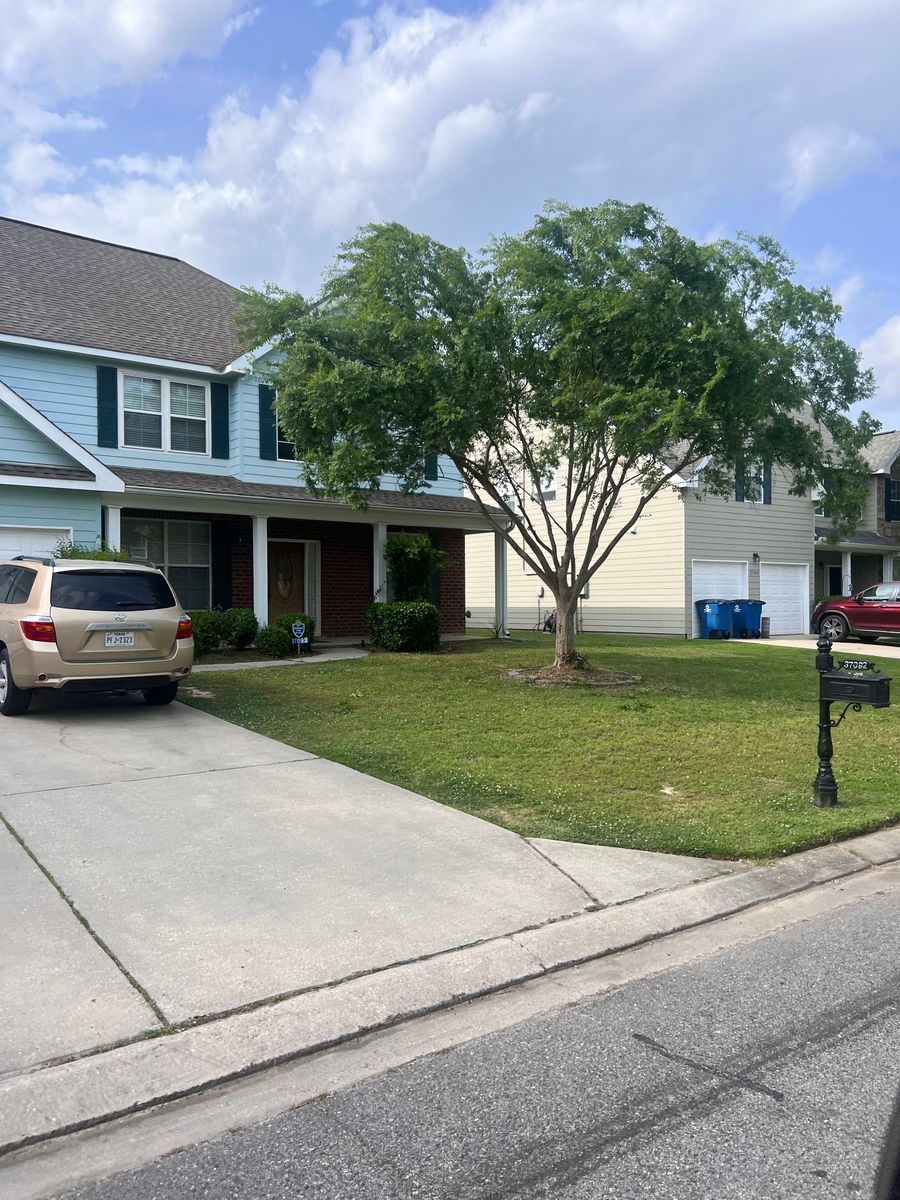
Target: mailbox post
<point>855,683</point>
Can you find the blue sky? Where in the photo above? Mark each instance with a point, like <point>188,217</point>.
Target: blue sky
<point>251,138</point>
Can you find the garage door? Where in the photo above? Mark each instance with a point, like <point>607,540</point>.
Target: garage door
<point>717,580</point>
<point>14,539</point>
<point>785,589</point>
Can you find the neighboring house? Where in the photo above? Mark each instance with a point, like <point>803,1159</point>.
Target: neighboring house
<point>130,412</point>
<point>870,555</point>
<point>686,546</point>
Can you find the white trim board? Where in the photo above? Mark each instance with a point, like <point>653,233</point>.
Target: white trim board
<point>104,479</point>
<point>170,364</point>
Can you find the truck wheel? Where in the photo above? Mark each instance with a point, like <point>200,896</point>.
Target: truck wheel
<point>164,694</point>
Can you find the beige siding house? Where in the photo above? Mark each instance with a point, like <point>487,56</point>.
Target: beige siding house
<point>686,546</point>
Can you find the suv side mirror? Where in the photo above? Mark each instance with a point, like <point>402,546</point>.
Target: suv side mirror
<point>858,597</point>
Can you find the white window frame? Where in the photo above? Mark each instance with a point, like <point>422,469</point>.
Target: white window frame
<point>166,564</point>
<point>279,457</point>
<point>165,382</point>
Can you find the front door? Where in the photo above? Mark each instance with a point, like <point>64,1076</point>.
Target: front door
<point>286,568</point>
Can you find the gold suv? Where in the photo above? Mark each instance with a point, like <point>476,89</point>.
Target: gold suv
<point>85,626</point>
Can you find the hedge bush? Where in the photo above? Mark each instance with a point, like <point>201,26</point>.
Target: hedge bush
<point>274,640</point>
<point>209,630</point>
<point>239,626</point>
<point>66,549</point>
<point>407,626</point>
<point>287,620</point>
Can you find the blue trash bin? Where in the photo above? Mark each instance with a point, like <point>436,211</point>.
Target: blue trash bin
<point>715,618</point>
<point>746,618</point>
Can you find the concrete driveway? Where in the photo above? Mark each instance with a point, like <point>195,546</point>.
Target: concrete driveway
<point>848,649</point>
<point>160,865</point>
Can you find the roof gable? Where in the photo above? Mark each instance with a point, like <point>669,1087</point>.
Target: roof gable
<point>883,451</point>
<point>59,287</point>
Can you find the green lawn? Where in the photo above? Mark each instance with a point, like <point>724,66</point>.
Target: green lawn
<point>713,753</point>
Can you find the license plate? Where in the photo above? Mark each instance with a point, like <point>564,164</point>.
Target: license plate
<point>120,639</point>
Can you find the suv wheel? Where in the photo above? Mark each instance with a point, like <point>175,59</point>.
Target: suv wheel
<point>834,626</point>
<point>14,701</point>
<point>164,694</point>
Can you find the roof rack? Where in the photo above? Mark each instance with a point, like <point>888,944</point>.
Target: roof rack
<point>38,558</point>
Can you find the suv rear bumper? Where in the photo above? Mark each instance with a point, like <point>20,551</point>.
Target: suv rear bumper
<point>41,666</point>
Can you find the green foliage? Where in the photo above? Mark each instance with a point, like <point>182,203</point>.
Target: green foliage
<point>239,626</point>
<point>601,345</point>
<point>287,620</point>
<point>408,626</point>
<point>274,640</point>
<point>66,549</point>
<point>209,630</point>
<point>412,559</point>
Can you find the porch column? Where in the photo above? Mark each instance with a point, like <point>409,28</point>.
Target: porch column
<point>887,567</point>
<point>379,563</point>
<point>846,574</point>
<point>261,569</point>
<point>501,614</point>
<point>113,528</point>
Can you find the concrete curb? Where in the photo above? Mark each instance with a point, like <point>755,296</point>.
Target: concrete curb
<point>50,1101</point>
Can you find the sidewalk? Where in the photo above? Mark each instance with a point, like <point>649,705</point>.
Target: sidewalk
<point>849,649</point>
<point>186,902</point>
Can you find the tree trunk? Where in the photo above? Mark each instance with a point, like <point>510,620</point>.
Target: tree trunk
<point>567,656</point>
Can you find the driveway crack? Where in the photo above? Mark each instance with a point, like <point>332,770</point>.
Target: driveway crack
<point>85,923</point>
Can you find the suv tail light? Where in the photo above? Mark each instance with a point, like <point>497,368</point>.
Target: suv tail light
<point>38,629</point>
<point>185,629</point>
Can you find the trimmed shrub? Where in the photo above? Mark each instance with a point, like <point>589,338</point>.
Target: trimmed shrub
<point>208,630</point>
<point>411,561</point>
<point>407,626</point>
<point>102,553</point>
<point>239,626</point>
<point>274,640</point>
<point>286,620</point>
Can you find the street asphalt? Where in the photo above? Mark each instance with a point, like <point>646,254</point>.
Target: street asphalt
<point>766,1071</point>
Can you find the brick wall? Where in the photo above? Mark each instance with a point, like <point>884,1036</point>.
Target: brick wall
<point>453,580</point>
<point>346,565</point>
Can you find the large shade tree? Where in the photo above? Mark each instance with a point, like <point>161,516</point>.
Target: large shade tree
<point>601,347</point>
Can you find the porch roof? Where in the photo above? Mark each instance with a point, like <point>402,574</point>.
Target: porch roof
<point>142,479</point>
<point>862,539</point>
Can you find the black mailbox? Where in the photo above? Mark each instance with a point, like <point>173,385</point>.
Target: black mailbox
<point>874,690</point>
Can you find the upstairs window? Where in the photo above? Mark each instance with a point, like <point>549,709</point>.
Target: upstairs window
<point>545,487</point>
<point>753,485</point>
<point>895,491</point>
<point>286,451</point>
<point>158,413</point>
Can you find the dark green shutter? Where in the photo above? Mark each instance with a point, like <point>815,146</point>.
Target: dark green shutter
<point>268,444</point>
<point>107,406</point>
<point>431,466</point>
<point>767,485</point>
<point>221,420</point>
<point>220,547</point>
<point>888,499</point>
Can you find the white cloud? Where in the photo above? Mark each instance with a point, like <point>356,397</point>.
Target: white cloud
<point>241,21</point>
<point>463,124</point>
<point>824,157</point>
<point>32,165</point>
<point>849,290</point>
<point>881,352</point>
<point>74,47</point>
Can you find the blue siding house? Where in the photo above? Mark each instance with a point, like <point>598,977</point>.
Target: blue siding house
<point>131,414</point>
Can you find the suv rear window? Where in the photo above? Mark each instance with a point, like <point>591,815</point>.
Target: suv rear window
<point>110,591</point>
<point>16,584</point>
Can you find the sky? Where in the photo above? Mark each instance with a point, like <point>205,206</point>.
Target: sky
<point>252,138</point>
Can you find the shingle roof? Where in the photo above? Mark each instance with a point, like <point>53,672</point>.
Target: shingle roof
<point>882,450</point>
<point>60,287</point>
<point>862,537</point>
<point>41,471</point>
<point>140,478</point>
